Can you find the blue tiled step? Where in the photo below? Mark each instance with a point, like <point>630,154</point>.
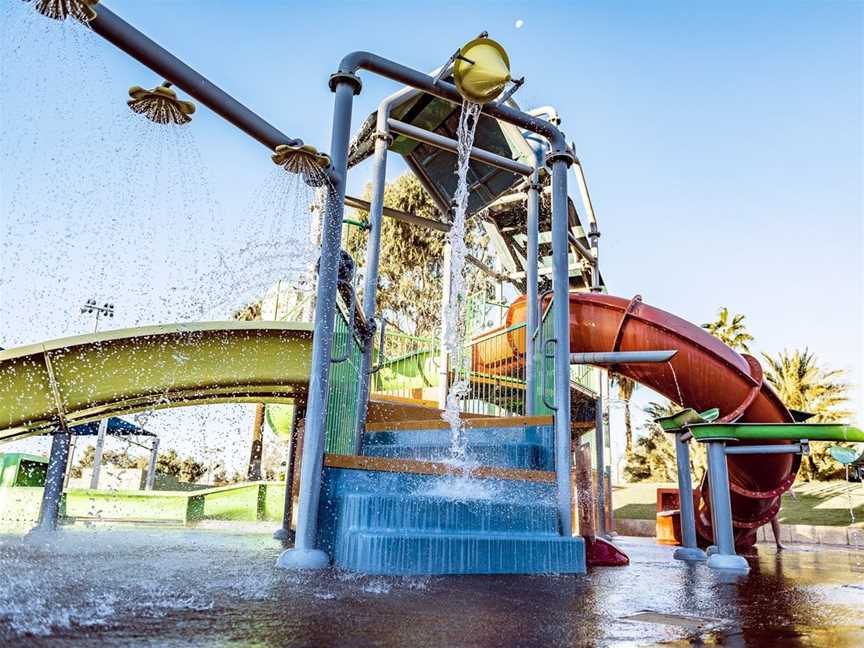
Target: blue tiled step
<point>540,435</point>
<point>529,456</point>
<point>400,553</point>
<point>418,513</point>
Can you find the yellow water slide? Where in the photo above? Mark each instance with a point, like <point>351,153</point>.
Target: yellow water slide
<point>75,380</point>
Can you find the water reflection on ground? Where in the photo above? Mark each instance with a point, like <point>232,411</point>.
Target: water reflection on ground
<point>179,587</point>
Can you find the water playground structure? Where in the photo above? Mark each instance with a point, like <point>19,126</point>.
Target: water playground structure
<point>371,468</point>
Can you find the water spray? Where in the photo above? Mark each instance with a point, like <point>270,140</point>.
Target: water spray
<point>160,105</point>
<point>303,159</point>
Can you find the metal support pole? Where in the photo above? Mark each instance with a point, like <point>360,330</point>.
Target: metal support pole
<point>689,551</point>
<point>284,533</point>
<point>373,250</point>
<point>304,555</point>
<point>97,455</point>
<point>49,511</point>
<point>724,538</point>
<point>443,356</point>
<point>594,240</point>
<point>600,455</point>
<point>117,31</point>
<point>151,467</point>
<point>533,226</point>
<point>561,290</point>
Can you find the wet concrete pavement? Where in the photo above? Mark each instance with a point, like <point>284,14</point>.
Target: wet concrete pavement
<point>178,587</point>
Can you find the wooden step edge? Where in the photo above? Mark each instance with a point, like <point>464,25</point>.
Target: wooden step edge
<point>472,424</point>
<point>413,466</point>
<point>403,400</point>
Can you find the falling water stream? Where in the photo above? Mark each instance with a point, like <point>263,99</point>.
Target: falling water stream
<point>454,326</point>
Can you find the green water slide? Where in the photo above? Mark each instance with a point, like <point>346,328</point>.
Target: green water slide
<point>86,378</point>
<point>776,432</point>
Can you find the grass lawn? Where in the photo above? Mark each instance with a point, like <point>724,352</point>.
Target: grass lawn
<point>820,503</point>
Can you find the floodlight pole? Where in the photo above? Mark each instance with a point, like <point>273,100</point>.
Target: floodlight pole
<point>106,309</point>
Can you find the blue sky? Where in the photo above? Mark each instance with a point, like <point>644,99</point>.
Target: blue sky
<point>722,142</point>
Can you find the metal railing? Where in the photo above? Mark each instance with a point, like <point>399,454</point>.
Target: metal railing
<point>409,367</point>
<point>497,379</point>
<point>344,380</point>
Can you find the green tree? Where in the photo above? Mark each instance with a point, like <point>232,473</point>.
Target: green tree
<point>731,332</point>
<point>653,456</point>
<point>802,384</point>
<point>184,469</point>
<point>411,262</point>
<point>626,387</point>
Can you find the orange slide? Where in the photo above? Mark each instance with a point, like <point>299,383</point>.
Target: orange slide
<point>705,373</point>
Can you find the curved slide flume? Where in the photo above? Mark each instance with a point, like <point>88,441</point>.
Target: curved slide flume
<point>81,379</point>
<point>705,373</point>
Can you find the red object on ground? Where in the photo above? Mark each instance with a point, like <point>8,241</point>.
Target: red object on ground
<point>601,553</point>
<point>705,373</point>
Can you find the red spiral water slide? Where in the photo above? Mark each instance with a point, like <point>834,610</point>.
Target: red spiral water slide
<point>705,373</point>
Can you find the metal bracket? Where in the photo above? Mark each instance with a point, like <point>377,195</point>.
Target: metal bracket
<point>805,447</point>
<point>345,77</point>
<point>387,138</point>
<point>516,84</point>
<point>555,156</point>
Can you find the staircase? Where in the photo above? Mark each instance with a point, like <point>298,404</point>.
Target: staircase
<point>407,515</point>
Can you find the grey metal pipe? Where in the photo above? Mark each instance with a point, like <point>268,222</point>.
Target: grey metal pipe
<point>304,555</point>
<point>724,538</point>
<point>688,550</point>
<point>121,34</point>
<point>561,320</point>
<point>786,448</point>
<point>584,252</point>
<point>97,455</point>
<point>533,319</point>
<point>284,532</point>
<point>447,144</point>
<point>600,454</point>
<point>49,511</point>
<point>151,466</point>
<point>373,249</point>
<point>379,65</point>
<point>396,214</point>
<point>594,239</point>
<point>622,357</point>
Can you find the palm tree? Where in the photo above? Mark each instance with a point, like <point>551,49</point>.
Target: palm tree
<point>250,313</point>
<point>626,386</point>
<point>653,456</point>
<point>802,384</point>
<point>733,333</point>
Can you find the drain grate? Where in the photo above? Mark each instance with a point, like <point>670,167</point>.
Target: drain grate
<point>681,620</point>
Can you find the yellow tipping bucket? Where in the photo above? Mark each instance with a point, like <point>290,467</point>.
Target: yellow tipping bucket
<point>481,70</point>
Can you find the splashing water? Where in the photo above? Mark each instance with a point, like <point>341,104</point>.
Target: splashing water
<point>453,330</point>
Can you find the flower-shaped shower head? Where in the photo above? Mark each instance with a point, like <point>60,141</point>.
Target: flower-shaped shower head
<point>160,105</point>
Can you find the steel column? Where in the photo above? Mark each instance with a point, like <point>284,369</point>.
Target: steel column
<point>600,457</point>
<point>533,321</point>
<point>151,467</point>
<point>304,555</point>
<point>561,289</point>
<point>724,538</point>
<point>688,551</point>
<point>49,511</point>
<point>373,252</point>
<point>443,356</point>
<point>97,455</point>
<point>284,533</point>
